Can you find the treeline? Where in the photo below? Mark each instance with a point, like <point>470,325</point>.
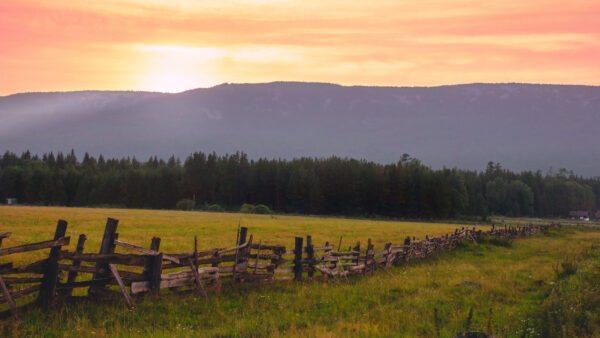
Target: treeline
<point>307,185</point>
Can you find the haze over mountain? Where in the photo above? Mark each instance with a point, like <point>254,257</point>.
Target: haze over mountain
<point>522,126</point>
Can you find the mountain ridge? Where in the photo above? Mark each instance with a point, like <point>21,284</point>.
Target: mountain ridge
<point>523,126</point>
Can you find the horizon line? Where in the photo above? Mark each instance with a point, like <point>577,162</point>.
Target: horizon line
<point>295,82</point>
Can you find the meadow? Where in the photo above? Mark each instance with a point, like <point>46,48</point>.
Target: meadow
<point>507,287</point>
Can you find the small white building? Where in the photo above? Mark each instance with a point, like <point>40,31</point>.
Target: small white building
<point>11,201</point>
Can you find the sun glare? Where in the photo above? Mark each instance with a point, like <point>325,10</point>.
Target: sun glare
<point>175,68</point>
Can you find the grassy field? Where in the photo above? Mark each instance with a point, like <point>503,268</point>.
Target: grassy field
<point>214,230</point>
<point>510,289</point>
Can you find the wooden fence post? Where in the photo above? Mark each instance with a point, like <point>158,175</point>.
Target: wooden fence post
<point>357,249</point>
<point>155,274</point>
<point>388,252</point>
<point>73,274</point>
<point>298,259</point>
<point>243,234</point>
<point>106,247</point>
<point>369,256</point>
<point>310,255</point>
<point>50,279</point>
<point>154,245</point>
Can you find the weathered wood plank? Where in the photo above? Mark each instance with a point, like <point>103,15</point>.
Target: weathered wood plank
<point>22,280</point>
<point>35,246</point>
<point>199,286</point>
<point>104,259</point>
<point>146,251</point>
<point>115,274</point>
<point>144,286</point>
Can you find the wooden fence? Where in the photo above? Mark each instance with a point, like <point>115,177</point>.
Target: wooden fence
<point>111,275</point>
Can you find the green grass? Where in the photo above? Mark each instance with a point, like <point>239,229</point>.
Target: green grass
<point>400,301</point>
<point>214,230</point>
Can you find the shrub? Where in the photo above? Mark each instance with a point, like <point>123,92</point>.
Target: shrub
<point>262,209</point>
<point>248,208</point>
<point>185,204</point>
<point>215,207</point>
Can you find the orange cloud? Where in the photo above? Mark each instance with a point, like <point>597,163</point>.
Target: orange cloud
<point>175,45</point>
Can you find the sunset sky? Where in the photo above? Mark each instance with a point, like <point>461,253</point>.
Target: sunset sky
<point>173,45</point>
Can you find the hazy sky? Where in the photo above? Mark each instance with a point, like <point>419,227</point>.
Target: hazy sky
<point>173,45</point>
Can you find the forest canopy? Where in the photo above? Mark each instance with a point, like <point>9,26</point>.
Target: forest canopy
<point>337,186</point>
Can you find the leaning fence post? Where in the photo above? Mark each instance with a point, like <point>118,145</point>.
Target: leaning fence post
<point>73,274</point>
<point>298,259</point>
<point>106,247</point>
<point>50,279</point>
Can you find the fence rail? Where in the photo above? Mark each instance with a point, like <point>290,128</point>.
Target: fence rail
<point>111,275</point>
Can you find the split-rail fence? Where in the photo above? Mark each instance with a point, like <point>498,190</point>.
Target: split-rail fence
<point>112,275</point>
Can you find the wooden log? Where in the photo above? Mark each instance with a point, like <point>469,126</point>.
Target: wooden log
<point>340,258</point>
<point>185,280</point>
<point>264,255</point>
<point>36,246</point>
<point>238,268</point>
<point>342,253</point>
<point>199,286</point>
<point>186,255</point>
<point>188,274</point>
<point>285,270</point>
<point>238,247</point>
<point>323,248</point>
<point>103,260</point>
<point>146,251</point>
<point>298,259</point>
<point>73,274</point>
<point>107,249</point>
<point>50,279</point>
<point>22,280</point>
<point>115,274</point>
<point>9,299</point>
<point>268,247</point>
<point>261,266</point>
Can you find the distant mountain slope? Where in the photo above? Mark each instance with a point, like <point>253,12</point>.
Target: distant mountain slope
<point>522,126</point>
